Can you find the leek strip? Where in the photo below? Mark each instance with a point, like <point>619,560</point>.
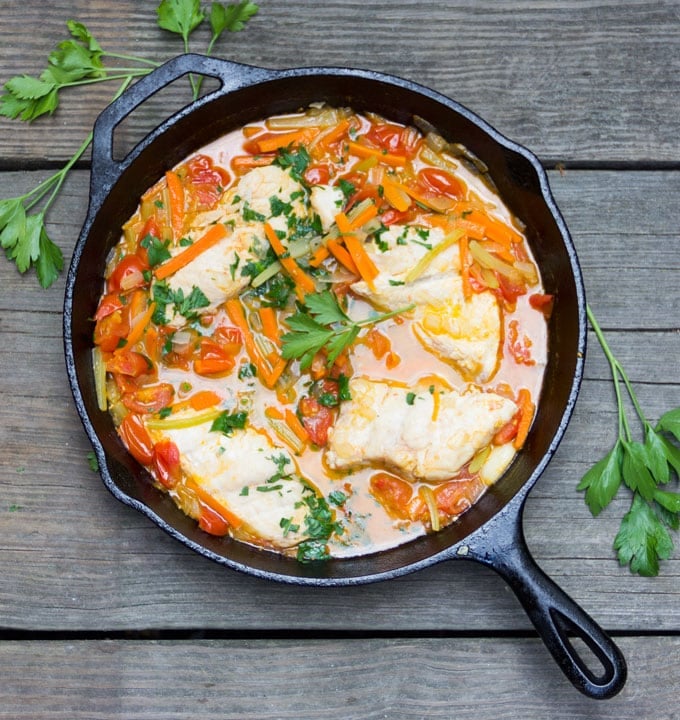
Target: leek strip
<point>99,369</point>
<point>479,459</point>
<point>425,261</point>
<point>427,495</point>
<point>296,250</point>
<point>281,428</point>
<point>488,260</point>
<point>184,421</point>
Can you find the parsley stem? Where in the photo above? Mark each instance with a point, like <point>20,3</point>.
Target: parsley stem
<point>132,58</point>
<point>124,74</point>
<point>384,316</point>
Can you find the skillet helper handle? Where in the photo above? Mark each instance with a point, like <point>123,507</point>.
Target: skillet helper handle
<point>555,616</point>
<point>232,76</point>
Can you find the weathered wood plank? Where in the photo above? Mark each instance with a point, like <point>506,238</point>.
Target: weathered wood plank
<point>571,88</point>
<point>466,678</point>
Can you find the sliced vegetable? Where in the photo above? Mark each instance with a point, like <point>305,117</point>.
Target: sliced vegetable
<point>212,237</point>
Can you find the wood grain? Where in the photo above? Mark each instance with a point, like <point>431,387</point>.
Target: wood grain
<point>350,679</point>
<point>555,76</point>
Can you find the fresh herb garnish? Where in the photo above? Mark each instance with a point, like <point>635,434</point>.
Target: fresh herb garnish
<point>337,497</point>
<point>80,60</point>
<point>347,188</point>
<point>319,526</point>
<point>250,215</point>
<point>323,325</point>
<point>227,422</point>
<point>92,461</point>
<point>410,398</point>
<point>156,249</point>
<point>643,538</point>
<point>297,161</point>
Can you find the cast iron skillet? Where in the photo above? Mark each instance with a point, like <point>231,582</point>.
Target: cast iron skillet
<point>491,532</point>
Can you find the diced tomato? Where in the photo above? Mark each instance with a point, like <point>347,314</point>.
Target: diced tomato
<point>213,359</point>
<point>519,347</point>
<point>317,419</point>
<point>393,217</point>
<point>136,438</point>
<point>206,180</point>
<point>229,338</point>
<point>455,497</point>
<point>211,521</point>
<point>166,462</point>
<point>440,182</point>
<point>127,362</point>
<point>149,399</point>
<point>110,330</point>
<point>392,493</point>
<point>507,432</point>
<point>317,175</point>
<point>393,138</point>
<point>108,305</point>
<point>508,291</point>
<point>128,274</point>
<point>542,302</point>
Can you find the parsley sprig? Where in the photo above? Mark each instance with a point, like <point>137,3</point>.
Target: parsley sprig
<point>323,325</point>
<point>645,468</point>
<point>76,61</point>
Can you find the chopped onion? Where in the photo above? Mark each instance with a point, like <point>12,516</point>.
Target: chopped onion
<point>286,434</point>
<point>322,117</point>
<point>181,341</point>
<point>424,262</point>
<point>528,269</point>
<point>183,421</point>
<point>479,459</point>
<point>488,260</point>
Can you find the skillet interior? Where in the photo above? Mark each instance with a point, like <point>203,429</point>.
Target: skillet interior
<point>519,180</point>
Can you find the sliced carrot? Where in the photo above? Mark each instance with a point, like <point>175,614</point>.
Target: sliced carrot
<point>268,375</point>
<point>137,331</point>
<point>465,266</point>
<point>493,228</point>
<point>396,196</point>
<point>436,396</point>
<point>363,151</point>
<point>234,521</point>
<point>252,130</point>
<point>241,163</point>
<point>296,426</point>
<point>303,282</point>
<point>270,326</point>
<point>341,255</point>
<point>368,213</point>
<point>527,409</point>
<point>319,255</point>
<point>269,143</point>
<point>201,400</point>
<point>365,266</point>
<point>334,134</point>
<point>177,262</point>
<point>176,202</point>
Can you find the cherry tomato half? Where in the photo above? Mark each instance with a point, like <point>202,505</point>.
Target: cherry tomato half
<point>136,438</point>
<point>392,493</point>
<point>441,182</point>
<point>167,463</point>
<point>149,399</point>
<point>128,274</point>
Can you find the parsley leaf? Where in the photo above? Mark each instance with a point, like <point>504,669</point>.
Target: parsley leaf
<point>297,161</point>
<point>181,17</point>
<point>319,526</point>
<point>156,250</point>
<point>323,325</point>
<point>231,17</point>
<point>227,422</point>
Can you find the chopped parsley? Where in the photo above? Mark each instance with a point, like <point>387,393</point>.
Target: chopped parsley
<point>227,422</point>
<point>319,526</point>
<point>337,497</point>
<point>247,370</point>
<point>410,398</point>
<point>347,188</point>
<point>297,161</point>
<point>156,250</point>
<point>278,207</point>
<point>250,215</point>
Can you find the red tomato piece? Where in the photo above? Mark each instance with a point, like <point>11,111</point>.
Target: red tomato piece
<point>211,521</point>
<point>317,175</point>
<point>149,399</point>
<point>214,359</point>
<point>457,496</point>
<point>393,139</point>
<point>392,493</point>
<point>166,462</point>
<point>317,419</point>
<point>136,438</point>
<point>128,274</point>
<point>108,305</point>
<point>206,180</point>
<point>127,362</point>
<point>110,330</point>
<point>440,182</point>
<point>542,302</point>
<point>394,217</point>
<point>229,338</point>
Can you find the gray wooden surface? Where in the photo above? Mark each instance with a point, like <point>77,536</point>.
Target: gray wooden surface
<point>103,616</point>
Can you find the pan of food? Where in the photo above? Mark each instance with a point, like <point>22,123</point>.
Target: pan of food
<point>326,327</point>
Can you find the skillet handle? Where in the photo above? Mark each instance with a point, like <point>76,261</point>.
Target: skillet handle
<point>232,76</point>
<point>554,615</point>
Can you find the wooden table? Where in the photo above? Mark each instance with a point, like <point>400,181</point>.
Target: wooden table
<point>102,615</point>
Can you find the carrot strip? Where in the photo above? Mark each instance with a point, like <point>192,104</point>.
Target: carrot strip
<point>527,409</point>
<point>366,267</point>
<point>465,266</point>
<point>204,496</point>
<point>296,426</point>
<point>177,262</point>
<point>268,375</point>
<point>364,216</point>
<point>319,255</point>
<point>341,255</point>
<point>246,162</point>
<point>202,400</point>
<point>176,201</point>
<point>270,326</point>
<point>396,196</point>
<point>435,405</point>
<point>137,331</point>
<point>392,159</point>
<point>296,273</point>
<point>494,229</point>
<point>274,142</point>
<point>335,134</point>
